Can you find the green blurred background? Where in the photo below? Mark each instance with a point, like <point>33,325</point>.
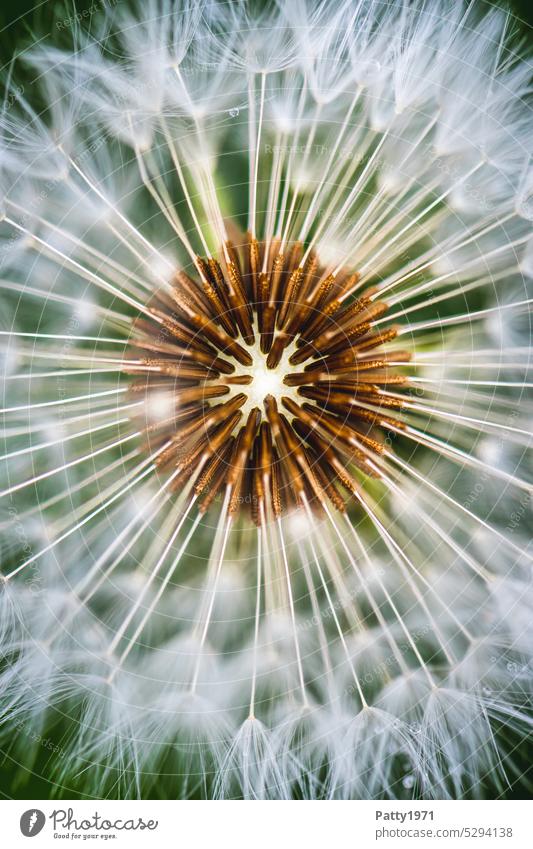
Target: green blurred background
<point>18,18</point>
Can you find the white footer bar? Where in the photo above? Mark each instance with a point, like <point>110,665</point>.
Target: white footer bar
<point>268,825</point>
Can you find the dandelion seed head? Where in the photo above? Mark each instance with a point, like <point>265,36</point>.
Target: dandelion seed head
<point>268,339</point>
<point>265,340</point>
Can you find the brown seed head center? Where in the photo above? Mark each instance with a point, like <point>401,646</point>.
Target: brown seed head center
<point>269,379</point>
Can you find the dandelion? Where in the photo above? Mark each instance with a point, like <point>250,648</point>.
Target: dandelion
<point>266,278</point>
